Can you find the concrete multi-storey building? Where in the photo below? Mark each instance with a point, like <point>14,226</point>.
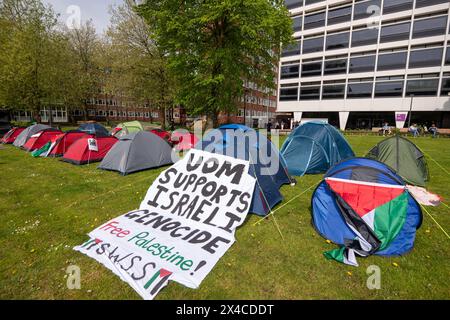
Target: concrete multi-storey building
<point>360,63</point>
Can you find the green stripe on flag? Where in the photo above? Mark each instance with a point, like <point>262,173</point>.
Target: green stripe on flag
<point>389,219</point>
<point>336,254</point>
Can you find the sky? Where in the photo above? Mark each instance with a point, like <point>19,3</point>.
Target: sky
<point>97,10</point>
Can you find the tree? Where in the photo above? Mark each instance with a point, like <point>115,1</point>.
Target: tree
<point>35,60</point>
<point>27,58</point>
<point>214,46</point>
<point>85,47</point>
<point>138,67</point>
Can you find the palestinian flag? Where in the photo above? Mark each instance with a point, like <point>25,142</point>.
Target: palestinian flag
<point>374,212</point>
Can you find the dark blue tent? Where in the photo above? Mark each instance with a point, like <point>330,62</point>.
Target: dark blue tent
<point>329,213</point>
<point>266,164</point>
<point>94,128</point>
<point>314,147</point>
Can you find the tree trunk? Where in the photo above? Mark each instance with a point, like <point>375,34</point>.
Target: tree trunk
<point>215,119</point>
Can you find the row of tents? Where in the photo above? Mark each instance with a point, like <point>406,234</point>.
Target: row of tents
<point>352,187</point>
<point>128,148</point>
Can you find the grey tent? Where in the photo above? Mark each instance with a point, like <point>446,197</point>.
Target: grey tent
<point>27,133</point>
<point>137,151</point>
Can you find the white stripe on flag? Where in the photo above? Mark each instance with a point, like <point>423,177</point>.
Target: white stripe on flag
<point>364,183</point>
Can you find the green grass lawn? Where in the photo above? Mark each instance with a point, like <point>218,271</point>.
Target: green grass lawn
<point>48,206</point>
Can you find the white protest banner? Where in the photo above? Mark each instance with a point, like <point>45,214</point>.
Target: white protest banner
<point>92,145</point>
<point>183,227</point>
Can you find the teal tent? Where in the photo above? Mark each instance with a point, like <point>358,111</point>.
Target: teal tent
<point>314,147</point>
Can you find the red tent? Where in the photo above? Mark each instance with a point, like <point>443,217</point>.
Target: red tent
<point>89,149</point>
<point>63,142</point>
<point>186,140</point>
<point>162,134</point>
<point>39,139</point>
<point>11,135</point>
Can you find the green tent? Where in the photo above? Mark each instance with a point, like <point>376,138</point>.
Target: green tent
<point>127,128</point>
<point>404,157</point>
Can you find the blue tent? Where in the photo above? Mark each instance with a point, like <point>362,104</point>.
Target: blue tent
<point>314,147</point>
<point>266,164</point>
<point>94,128</point>
<point>330,214</point>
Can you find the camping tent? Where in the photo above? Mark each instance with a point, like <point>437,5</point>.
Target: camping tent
<point>11,135</point>
<point>127,128</point>
<point>27,133</point>
<point>404,157</point>
<point>137,151</point>
<point>266,164</point>
<point>89,149</point>
<point>363,205</point>
<point>38,140</point>
<point>183,140</point>
<point>58,144</point>
<point>165,135</point>
<point>63,142</point>
<point>313,148</point>
<point>94,128</point>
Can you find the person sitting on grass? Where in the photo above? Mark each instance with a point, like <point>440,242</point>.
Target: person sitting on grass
<point>386,129</point>
<point>414,130</point>
<point>433,130</point>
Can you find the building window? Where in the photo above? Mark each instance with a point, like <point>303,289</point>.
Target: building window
<point>430,27</point>
<point>333,91</point>
<point>395,32</point>
<point>310,93</point>
<point>297,23</point>
<point>425,3</point>
<point>312,69</point>
<point>359,90</point>
<point>335,66</point>
<point>362,64</point>
<point>392,61</point>
<point>308,2</point>
<point>338,41</point>
<point>291,49</point>
<point>289,72</point>
<point>291,4</point>
<point>391,6</point>
<point>422,87</point>
<point>445,89</point>
<point>364,37</point>
<point>366,9</point>
<point>389,89</point>
<point>288,94</point>
<point>426,58</point>
<point>339,15</point>
<point>447,57</point>
<point>313,45</point>
<point>315,20</point>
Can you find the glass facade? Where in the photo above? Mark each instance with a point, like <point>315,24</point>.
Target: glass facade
<point>337,41</point>
<point>403,41</point>
<point>395,32</point>
<point>392,61</point>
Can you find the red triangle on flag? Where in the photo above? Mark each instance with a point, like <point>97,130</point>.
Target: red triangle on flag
<point>364,197</point>
<point>164,272</point>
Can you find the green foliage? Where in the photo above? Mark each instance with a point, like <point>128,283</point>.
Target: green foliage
<point>138,67</point>
<point>42,63</point>
<point>213,46</point>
